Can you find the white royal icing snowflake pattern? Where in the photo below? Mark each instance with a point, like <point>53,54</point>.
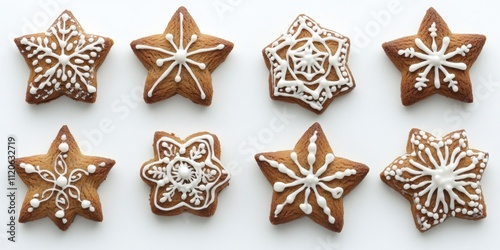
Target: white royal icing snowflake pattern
<point>71,59</point>
<point>442,179</point>
<point>190,170</point>
<point>309,181</point>
<point>437,60</point>
<point>179,57</point>
<point>309,55</point>
<point>63,187</point>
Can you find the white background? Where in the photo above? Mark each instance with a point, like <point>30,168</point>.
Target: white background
<point>368,125</point>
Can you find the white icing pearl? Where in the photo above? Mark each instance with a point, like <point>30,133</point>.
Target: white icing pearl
<point>91,168</point>
<point>63,147</point>
<point>85,204</point>
<point>59,214</point>
<point>28,168</point>
<point>35,202</point>
<point>62,181</point>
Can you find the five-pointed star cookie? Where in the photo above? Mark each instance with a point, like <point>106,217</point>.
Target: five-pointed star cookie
<point>435,61</point>
<point>180,60</point>
<point>185,175</point>
<point>310,181</point>
<point>62,183</point>
<point>440,177</point>
<point>308,65</point>
<point>63,61</point>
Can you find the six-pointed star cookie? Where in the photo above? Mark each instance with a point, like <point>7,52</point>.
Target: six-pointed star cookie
<point>435,61</point>
<point>62,183</point>
<point>185,175</point>
<point>440,177</point>
<point>63,61</point>
<point>308,65</point>
<point>310,180</point>
<point>180,60</point>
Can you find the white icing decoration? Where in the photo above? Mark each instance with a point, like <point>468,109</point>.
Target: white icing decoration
<point>440,179</point>
<point>190,170</point>
<point>179,57</point>
<point>312,71</point>
<point>435,59</point>
<point>71,59</point>
<point>309,181</point>
<point>62,183</point>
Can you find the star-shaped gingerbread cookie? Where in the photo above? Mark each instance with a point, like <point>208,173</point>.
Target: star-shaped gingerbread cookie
<point>310,181</point>
<point>185,175</point>
<point>181,60</point>
<point>308,65</point>
<point>440,177</point>
<point>435,61</point>
<point>63,61</point>
<point>62,183</point>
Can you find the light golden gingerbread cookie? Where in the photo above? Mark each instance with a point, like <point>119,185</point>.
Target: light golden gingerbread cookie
<point>63,61</point>
<point>62,183</point>
<point>435,61</point>
<point>181,60</point>
<point>440,177</point>
<point>310,181</point>
<point>308,65</point>
<point>185,175</point>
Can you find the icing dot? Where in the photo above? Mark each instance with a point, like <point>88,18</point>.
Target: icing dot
<point>33,90</point>
<point>279,186</point>
<point>35,203</point>
<point>331,219</point>
<point>85,204</point>
<point>28,168</point>
<point>59,214</point>
<point>64,221</point>
<point>91,168</point>
<point>62,181</point>
<point>91,89</point>
<point>63,147</point>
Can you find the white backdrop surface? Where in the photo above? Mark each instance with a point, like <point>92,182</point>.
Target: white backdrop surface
<point>368,125</point>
